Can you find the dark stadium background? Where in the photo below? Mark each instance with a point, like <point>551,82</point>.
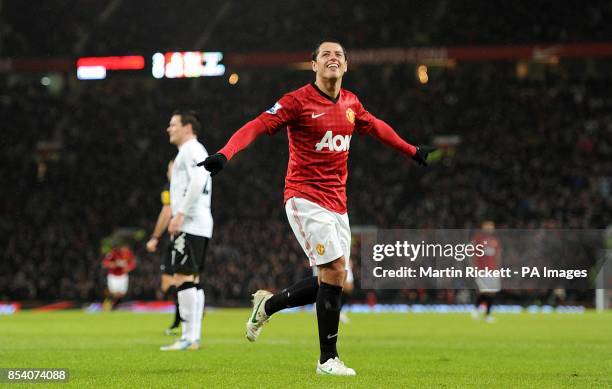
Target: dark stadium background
<point>535,134</point>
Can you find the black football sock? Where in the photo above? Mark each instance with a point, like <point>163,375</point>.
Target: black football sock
<point>177,315</point>
<point>302,293</point>
<point>170,293</point>
<point>489,302</point>
<point>479,300</point>
<point>328,317</point>
<point>344,299</point>
<point>200,287</point>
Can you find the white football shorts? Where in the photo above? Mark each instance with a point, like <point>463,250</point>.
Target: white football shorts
<point>324,235</point>
<point>488,284</point>
<point>118,284</point>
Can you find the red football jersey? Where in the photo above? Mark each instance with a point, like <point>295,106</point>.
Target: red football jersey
<point>492,251</point>
<point>319,129</point>
<point>119,261</point>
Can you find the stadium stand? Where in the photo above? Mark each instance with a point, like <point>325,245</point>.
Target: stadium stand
<point>533,152</point>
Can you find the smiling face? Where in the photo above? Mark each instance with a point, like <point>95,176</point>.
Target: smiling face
<point>330,62</point>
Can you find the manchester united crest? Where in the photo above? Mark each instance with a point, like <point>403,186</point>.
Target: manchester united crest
<point>320,249</point>
<point>350,115</point>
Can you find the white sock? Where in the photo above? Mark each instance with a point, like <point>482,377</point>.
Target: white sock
<point>200,313</point>
<point>187,308</point>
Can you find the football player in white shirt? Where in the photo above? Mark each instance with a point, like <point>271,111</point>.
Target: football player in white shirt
<point>191,224</point>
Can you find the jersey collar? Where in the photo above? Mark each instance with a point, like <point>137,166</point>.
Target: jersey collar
<point>325,95</point>
<point>187,141</point>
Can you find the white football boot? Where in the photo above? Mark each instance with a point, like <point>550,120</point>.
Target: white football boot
<point>475,314</point>
<point>344,318</point>
<point>259,317</point>
<point>334,367</point>
<point>181,345</point>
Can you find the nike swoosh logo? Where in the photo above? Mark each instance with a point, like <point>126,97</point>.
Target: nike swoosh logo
<point>316,115</point>
<point>332,336</point>
<point>253,320</point>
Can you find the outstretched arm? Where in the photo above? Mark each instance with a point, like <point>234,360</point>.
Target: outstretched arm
<point>241,139</point>
<point>283,112</point>
<point>384,133</point>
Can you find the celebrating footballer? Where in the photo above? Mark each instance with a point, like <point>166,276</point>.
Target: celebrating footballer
<point>320,119</point>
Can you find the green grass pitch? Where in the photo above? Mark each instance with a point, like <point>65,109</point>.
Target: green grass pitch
<point>392,350</point>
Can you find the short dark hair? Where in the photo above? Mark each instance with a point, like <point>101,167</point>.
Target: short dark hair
<point>189,116</point>
<point>315,51</point>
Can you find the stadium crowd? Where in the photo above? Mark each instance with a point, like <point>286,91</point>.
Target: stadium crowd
<point>533,152</point>
<point>109,27</point>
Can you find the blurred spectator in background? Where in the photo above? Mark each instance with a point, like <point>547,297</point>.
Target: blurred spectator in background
<point>488,287</point>
<point>119,262</point>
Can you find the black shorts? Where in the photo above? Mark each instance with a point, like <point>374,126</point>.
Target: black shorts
<point>188,253</point>
<point>166,257</point>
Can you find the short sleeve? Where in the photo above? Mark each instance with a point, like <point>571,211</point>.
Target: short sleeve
<point>364,121</point>
<point>165,197</point>
<point>283,112</point>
